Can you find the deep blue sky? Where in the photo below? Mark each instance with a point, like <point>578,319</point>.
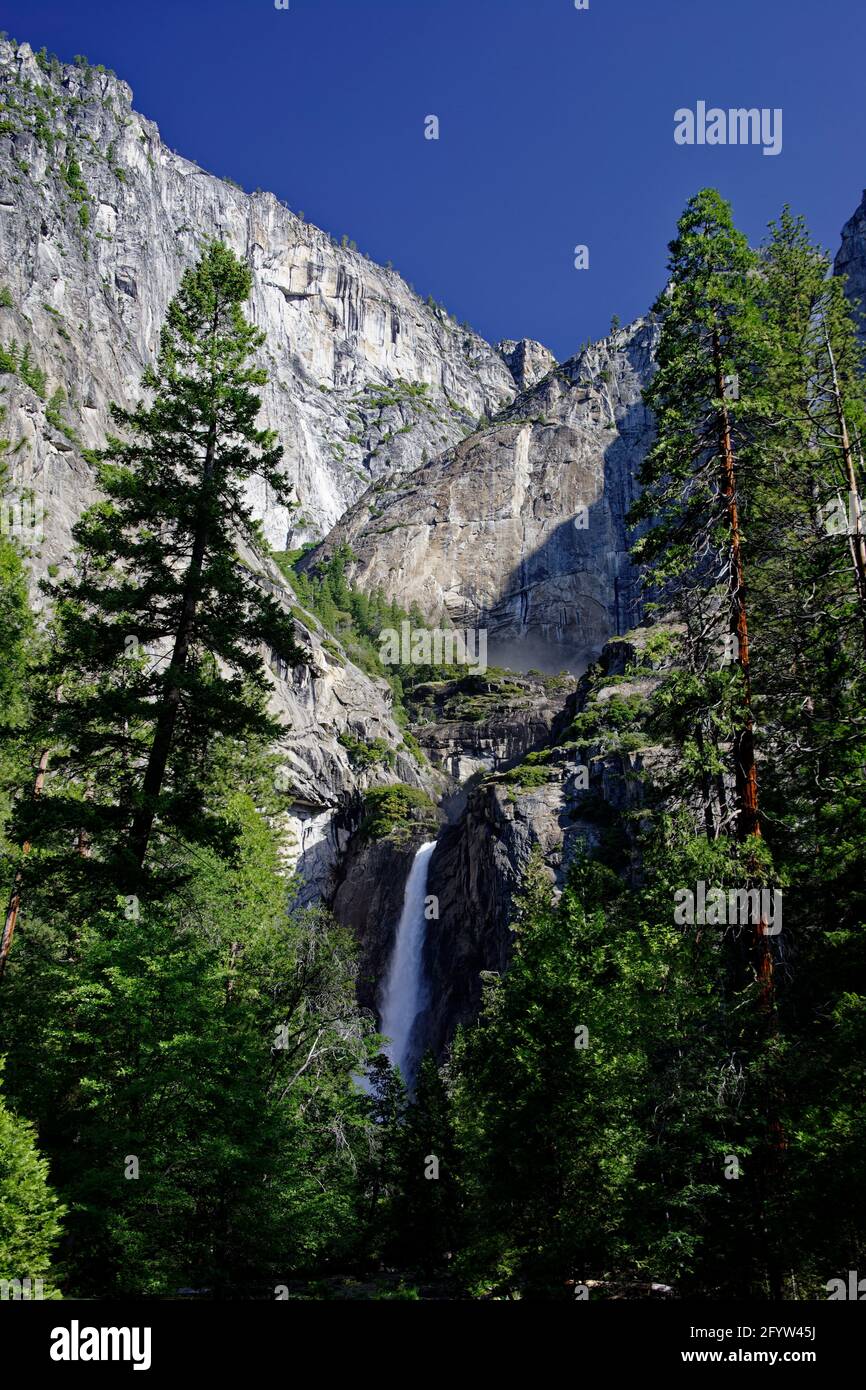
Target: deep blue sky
<point>556,127</point>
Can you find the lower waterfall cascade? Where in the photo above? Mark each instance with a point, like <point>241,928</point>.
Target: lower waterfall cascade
<point>403,995</point>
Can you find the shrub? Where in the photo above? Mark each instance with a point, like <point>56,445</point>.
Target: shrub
<point>30,1213</point>
<point>392,812</point>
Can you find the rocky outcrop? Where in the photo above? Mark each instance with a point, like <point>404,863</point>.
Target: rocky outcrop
<point>505,717</point>
<point>574,797</point>
<point>526,360</point>
<point>851,262</point>
<point>521,528</point>
<point>326,704</point>
<point>99,219</point>
<point>483,723</point>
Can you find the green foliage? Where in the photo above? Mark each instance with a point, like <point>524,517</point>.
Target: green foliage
<point>212,1038</point>
<point>33,376</point>
<point>593,1103</point>
<point>411,744</point>
<point>604,722</point>
<point>54,414</point>
<point>157,568</point>
<point>30,1212</point>
<point>363,755</point>
<point>19,363</point>
<point>74,180</point>
<point>473,697</point>
<point>17,653</point>
<point>395,811</point>
<point>529,774</point>
<point>358,619</point>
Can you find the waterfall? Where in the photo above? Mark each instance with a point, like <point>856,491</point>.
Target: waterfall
<point>403,996</point>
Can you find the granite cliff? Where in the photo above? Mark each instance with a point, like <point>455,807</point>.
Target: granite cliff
<point>521,527</point>
<point>98,221</point>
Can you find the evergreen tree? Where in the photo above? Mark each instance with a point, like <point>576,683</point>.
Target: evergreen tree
<point>712,405</point>
<point>422,1221</point>
<point>812,707</point>
<point>30,1213</point>
<point>16,628</point>
<point>190,1068</point>
<point>160,631</point>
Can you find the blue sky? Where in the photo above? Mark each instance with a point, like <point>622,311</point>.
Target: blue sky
<point>556,128</point>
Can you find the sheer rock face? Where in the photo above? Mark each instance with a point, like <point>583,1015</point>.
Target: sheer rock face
<point>851,262</point>
<point>526,360</point>
<point>363,375</point>
<point>463,748</point>
<point>521,528</point>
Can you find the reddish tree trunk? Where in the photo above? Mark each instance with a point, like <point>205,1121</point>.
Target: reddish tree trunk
<point>745,768</point>
<point>15,896</point>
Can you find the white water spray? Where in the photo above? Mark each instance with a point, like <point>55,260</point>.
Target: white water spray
<point>403,995</point>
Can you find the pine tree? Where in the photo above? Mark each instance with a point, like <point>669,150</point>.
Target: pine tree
<point>712,405</point>
<point>422,1220</point>
<point>705,480</point>
<point>523,1092</point>
<point>812,707</point>
<point>806,586</point>
<point>160,631</point>
<point>16,623</point>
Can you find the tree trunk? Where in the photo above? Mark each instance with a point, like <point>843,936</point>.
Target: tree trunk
<point>857,538</point>
<point>745,770</point>
<point>15,896</point>
<point>749,829</point>
<point>142,824</point>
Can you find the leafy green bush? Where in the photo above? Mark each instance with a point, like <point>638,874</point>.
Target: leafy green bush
<point>392,812</point>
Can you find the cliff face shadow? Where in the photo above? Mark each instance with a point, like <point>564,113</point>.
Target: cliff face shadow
<point>567,597</point>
